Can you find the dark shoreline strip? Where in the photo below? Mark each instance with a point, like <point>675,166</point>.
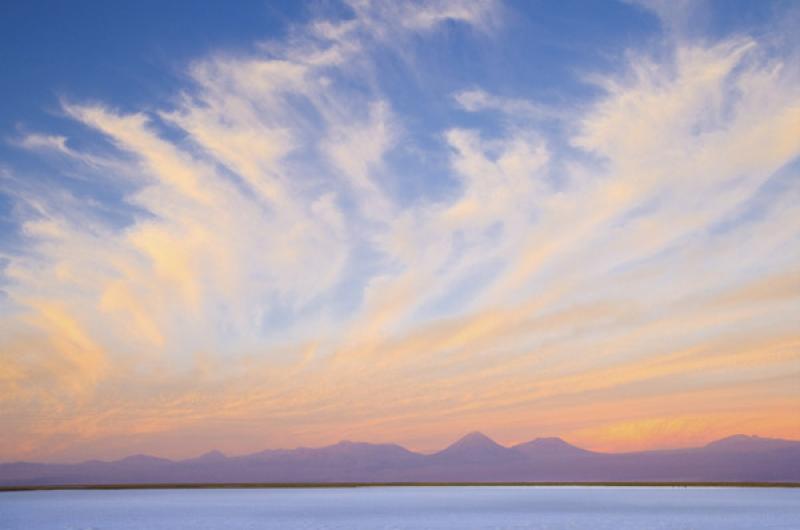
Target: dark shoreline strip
<point>297,485</point>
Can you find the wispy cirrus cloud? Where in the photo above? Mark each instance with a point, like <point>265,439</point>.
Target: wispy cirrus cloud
<point>270,282</point>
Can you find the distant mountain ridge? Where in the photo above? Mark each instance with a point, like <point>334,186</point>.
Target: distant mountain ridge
<point>473,458</point>
<point>552,447</point>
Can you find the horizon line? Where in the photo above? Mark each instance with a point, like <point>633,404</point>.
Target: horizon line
<point>322,485</point>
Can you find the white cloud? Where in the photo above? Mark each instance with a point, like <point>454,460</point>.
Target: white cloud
<point>45,141</point>
<point>476,100</point>
<point>539,269</point>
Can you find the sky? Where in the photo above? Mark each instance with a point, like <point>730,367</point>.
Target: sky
<point>282,224</point>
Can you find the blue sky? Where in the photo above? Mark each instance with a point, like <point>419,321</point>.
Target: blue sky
<point>288,223</point>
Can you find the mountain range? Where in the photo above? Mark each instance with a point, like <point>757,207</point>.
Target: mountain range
<point>473,458</point>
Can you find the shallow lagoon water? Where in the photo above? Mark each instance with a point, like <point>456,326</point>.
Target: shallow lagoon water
<point>406,508</point>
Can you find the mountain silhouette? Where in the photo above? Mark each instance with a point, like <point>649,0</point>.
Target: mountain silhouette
<point>475,447</point>
<point>211,456</point>
<point>744,443</point>
<point>549,448</point>
<point>473,458</point>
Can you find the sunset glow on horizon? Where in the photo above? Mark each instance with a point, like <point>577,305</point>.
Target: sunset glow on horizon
<point>399,222</point>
